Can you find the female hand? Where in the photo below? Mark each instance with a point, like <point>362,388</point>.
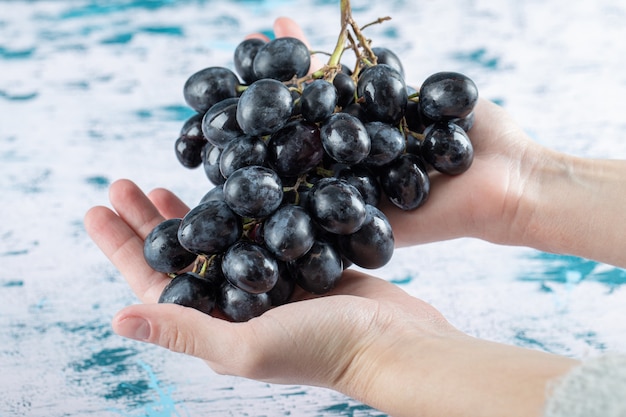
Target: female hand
<point>368,339</point>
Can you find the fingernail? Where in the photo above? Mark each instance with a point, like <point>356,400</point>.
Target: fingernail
<point>134,328</point>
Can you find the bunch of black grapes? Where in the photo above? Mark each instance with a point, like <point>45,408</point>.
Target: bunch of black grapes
<point>300,164</point>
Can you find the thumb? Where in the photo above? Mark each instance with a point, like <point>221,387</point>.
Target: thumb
<point>184,330</point>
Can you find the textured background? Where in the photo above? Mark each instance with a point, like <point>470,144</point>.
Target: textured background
<point>91,91</point>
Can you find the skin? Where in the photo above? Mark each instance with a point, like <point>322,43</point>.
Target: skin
<point>368,338</point>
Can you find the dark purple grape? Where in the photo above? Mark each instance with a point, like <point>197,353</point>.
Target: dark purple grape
<point>282,59</point>
<point>264,107</point>
<point>405,182</point>
<point>345,138</point>
<point>192,127</point>
<point>289,232</point>
<point>319,270</point>
<point>190,290</point>
<point>447,148</point>
<point>162,250</point>
<point>372,245</point>
<point>447,95</point>
<point>241,152</point>
<point>188,151</point>
<point>244,58</point>
<point>211,164</point>
<point>250,266</point>
<point>414,118</point>
<point>346,88</point>
<point>239,305</point>
<point>283,290</point>
<point>318,100</point>
<point>336,206</point>
<point>208,87</point>
<point>364,180</point>
<point>219,124</point>
<point>387,143</point>
<point>295,149</point>
<point>383,93</point>
<point>215,193</point>
<point>209,228</point>
<point>387,56</point>
<point>253,191</point>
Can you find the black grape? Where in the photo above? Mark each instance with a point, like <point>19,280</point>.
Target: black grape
<point>447,95</point>
<point>372,245</point>
<point>209,228</point>
<point>219,124</point>
<point>345,138</point>
<point>289,232</point>
<point>209,86</point>
<point>318,100</point>
<point>387,143</point>
<point>383,93</point>
<point>282,59</point>
<point>250,267</point>
<point>364,180</point>
<point>241,152</point>
<point>244,58</point>
<point>211,163</point>
<point>190,290</point>
<point>295,149</point>
<point>387,56</point>
<point>264,107</point>
<point>283,290</point>
<point>405,182</point>
<point>319,270</point>
<point>447,148</point>
<point>336,206</point>
<point>239,305</point>
<point>346,88</point>
<point>253,191</point>
<point>188,151</point>
<point>162,250</point>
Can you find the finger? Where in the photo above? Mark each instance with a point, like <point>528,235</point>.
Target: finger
<point>134,207</point>
<point>189,331</point>
<point>124,249</point>
<point>168,204</point>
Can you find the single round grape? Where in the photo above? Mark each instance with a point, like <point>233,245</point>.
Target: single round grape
<point>345,138</point>
<point>241,152</point>
<point>447,148</point>
<point>319,270</point>
<point>289,232</point>
<point>346,88</point>
<point>295,149</point>
<point>209,228</point>
<point>244,58</point>
<point>387,56</point>
<point>318,100</point>
<point>239,305</point>
<point>253,191</point>
<point>364,180</point>
<point>162,250</point>
<point>192,127</point>
<point>282,59</point>
<point>219,124</point>
<point>467,122</point>
<point>211,164</point>
<point>447,95</point>
<point>405,182</point>
<point>383,93</point>
<point>264,107</point>
<point>336,206</point>
<point>190,290</point>
<point>372,245</point>
<point>188,150</point>
<point>387,143</point>
<point>215,193</point>
<point>250,267</point>
<point>209,86</point>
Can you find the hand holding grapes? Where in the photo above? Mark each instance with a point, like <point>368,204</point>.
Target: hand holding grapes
<point>366,340</point>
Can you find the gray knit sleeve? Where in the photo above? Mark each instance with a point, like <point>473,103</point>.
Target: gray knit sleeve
<point>596,388</point>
